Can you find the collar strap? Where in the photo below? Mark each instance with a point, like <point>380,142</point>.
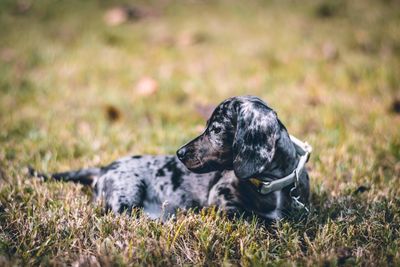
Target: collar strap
<point>304,150</point>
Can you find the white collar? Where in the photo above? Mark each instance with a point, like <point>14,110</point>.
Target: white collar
<point>304,150</point>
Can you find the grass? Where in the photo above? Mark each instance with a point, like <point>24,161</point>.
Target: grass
<point>69,99</point>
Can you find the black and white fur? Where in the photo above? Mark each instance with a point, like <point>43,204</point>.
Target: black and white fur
<point>245,139</point>
<point>242,137</point>
<point>158,184</point>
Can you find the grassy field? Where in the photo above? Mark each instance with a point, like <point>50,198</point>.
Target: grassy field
<point>82,84</point>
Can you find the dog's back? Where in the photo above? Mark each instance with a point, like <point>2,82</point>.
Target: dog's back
<point>159,184</point>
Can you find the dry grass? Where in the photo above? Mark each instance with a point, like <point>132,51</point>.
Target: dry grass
<point>69,98</point>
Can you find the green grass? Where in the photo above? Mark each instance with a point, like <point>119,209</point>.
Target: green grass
<point>330,69</point>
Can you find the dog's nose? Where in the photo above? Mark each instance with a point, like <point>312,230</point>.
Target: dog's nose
<point>181,153</point>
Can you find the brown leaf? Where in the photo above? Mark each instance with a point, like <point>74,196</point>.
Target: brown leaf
<point>116,16</point>
<point>314,101</point>
<point>146,86</point>
<point>328,9</point>
<point>396,106</point>
<point>112,113</point>
<point>124,13</point>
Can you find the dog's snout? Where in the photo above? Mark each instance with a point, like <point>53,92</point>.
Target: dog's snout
<point>181,153</point>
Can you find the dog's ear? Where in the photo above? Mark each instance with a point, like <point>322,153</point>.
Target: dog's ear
<point>257,132</point>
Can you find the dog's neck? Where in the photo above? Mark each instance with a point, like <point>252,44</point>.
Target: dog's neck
<point>284,161</point>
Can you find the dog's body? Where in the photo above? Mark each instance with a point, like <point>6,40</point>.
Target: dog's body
<point>243,139</point>
<point>158,184</point>
<point>162,184</point>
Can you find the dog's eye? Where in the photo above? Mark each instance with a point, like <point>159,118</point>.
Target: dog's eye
<point>217,130</point>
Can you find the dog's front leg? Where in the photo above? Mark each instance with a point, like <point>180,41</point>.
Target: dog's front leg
<point>224,195</point>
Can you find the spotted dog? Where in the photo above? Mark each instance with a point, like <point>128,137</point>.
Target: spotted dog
<point>243,139</point>
<point>247,142</point>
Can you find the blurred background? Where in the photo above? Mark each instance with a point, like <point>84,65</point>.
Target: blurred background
<point>89,81</point>
<point>83,83</point>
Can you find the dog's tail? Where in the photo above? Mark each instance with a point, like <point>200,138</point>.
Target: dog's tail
<point>82,176</point>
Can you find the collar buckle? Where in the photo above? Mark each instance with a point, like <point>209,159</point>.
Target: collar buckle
<point>265,188</point>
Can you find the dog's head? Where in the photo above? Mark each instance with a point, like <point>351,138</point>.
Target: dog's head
<point>242,134</point>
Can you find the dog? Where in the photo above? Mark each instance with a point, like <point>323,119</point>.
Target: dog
<point>263,166</point>
<point>243,150</point>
